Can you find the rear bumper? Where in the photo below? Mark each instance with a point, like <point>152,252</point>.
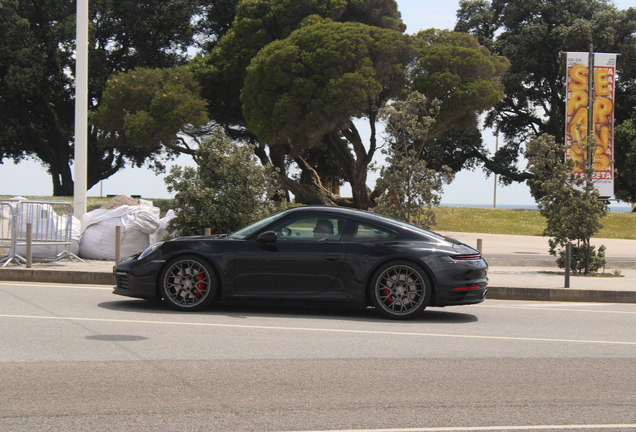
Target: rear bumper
<point>465,297</point>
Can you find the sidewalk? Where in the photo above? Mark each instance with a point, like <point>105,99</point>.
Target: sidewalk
<point>520,269</point>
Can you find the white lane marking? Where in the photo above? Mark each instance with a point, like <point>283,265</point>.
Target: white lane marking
<point>316,329</point>
<point>487,428</point>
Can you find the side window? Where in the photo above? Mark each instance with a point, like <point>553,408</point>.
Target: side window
<point>311,228</point>
<point>370,232</point>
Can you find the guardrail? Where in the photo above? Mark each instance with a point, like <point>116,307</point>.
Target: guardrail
<point>51,223</point>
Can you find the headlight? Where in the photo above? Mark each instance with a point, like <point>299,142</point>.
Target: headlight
<point>149,250</point>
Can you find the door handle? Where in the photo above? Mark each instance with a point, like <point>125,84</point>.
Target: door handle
<point>330,257</point>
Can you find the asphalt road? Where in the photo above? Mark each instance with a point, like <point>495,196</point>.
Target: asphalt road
<point>77,358</point>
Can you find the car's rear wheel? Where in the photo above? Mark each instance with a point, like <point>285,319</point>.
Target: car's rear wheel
<point>400,290</point>
<point>188,283</point>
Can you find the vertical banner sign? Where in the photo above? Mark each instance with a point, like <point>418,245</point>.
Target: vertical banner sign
<point>577,102</point>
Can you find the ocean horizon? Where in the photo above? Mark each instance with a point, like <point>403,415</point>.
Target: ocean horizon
<point>613,207</point>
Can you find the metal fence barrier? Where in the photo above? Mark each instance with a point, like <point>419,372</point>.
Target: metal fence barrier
<point>51,223</point>
<point>7,247</point>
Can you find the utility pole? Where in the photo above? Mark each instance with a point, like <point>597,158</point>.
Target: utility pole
<point>590,110</point>
<point>81,110</point>
<point>494,201</point>
<point>589,155</point>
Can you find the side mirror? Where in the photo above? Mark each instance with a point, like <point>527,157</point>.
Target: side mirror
<point>266,238</point>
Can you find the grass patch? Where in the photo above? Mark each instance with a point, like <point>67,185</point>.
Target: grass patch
<point>490,221</point>
<point>619,225</point>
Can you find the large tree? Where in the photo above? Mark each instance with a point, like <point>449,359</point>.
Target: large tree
<point>533,35</point>
<point>258,23</point>
<point>315,82</point>
<point>37,67</point>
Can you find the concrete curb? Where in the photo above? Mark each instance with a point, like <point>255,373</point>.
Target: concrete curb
<point>550,262</point>
<point>521,262</point>
<point>561,295</point>
<point>57,276</point>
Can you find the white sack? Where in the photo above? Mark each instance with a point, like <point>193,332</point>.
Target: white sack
<point>137,222</point>
<point>162,231</point>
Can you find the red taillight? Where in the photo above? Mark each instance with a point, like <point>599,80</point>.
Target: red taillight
<point>466,288</point>
<point>466,257</point>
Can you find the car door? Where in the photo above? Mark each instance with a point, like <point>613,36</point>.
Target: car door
<point>305,258</point>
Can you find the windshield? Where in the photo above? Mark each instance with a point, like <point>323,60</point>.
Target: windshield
<point>251,229</point>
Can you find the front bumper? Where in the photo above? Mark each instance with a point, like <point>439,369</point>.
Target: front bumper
<point>136,278</point>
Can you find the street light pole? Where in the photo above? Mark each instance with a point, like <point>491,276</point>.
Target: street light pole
<point>494,201</point>
<point>81,109</point>
<point>589,155</point>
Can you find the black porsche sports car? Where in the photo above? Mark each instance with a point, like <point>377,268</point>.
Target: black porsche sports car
<point>313,255</point>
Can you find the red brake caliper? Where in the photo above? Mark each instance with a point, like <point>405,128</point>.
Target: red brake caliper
<point>386,292</point>
<point>200,286</point>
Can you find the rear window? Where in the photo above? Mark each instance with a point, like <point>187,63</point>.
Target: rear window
<point>429,233</point>
<point>371,232</point>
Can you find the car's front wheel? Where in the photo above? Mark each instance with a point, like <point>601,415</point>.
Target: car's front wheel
<point>188,283</point>
<point>400,290</point>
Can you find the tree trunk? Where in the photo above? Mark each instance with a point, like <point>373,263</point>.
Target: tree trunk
<point>310,189</point>
<point>62,181</point>
<point>362,195</point>
<point>306,193</point>
<point>277,158</point>
<point>60,170</point>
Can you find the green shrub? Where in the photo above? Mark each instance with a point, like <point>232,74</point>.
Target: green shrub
<point>228,190</point>
<point>577,259</point>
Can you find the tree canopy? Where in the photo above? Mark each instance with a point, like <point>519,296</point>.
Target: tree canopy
<point>304,70</point>
<point>465,78</point>
<point>461,74</point>
<point>37,67</point>
<point>146,109</point>
<point>259,22</point>
<point>319,78</point>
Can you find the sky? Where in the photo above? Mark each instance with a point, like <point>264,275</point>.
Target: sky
<point>29,178</point>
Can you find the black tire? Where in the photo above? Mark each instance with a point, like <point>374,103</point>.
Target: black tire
<point>400,290</point>
<point>188,283</point>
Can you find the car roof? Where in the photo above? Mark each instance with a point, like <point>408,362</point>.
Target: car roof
<point>341,211</point>
<point>368,217</point>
